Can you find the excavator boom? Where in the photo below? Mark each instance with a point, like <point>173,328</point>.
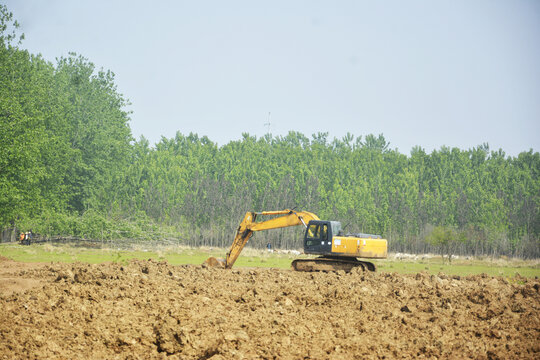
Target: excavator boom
<point>249,225</point>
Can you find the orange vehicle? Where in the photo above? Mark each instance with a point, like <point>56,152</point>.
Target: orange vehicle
<point>336,250</point>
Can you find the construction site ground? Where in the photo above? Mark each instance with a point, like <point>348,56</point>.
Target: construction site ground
<point>145,309</point>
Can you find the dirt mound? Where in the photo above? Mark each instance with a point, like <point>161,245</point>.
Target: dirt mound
<point>149,309</point>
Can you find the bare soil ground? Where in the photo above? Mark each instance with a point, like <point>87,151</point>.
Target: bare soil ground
<point>11,280</point>
<point>152,310</point>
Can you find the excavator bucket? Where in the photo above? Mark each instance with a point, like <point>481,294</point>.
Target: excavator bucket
<point>213,262</point>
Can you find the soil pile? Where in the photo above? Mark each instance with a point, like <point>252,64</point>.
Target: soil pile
<point>152,310</point>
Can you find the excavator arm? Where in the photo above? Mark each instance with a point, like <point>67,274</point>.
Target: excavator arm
<point>249,225</point>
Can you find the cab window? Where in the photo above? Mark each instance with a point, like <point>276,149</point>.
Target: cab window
<point>312,235</point>
<point>324,232</point>
<point>313,232</point>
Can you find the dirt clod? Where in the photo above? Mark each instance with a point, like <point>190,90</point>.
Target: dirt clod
<point>152,310</point>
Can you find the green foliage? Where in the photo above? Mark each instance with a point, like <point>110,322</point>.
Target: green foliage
<point>441,236</point>
<point>64,136</point>
<point>446,239</point>
<point>191,183</point>
<point>69,166</point>
<point>95,225</point>
<point>8,28</point>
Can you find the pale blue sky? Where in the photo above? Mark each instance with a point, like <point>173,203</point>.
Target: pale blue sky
<point>428,73</point>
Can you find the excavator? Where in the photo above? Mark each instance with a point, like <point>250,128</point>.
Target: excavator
<point>336,250</point>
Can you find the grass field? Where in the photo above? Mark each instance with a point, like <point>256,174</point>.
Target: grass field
<point>257,258</point>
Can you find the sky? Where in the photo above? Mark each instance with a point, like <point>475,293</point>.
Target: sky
<point>455,73</point>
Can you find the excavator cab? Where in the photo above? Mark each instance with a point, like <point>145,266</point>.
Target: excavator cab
<point>318,236</point>
<point>336,250</point>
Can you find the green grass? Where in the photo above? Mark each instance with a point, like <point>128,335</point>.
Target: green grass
<point>68,254</point>
<point>436,266</point>
<point>173,255</point>
<point>257,258</point>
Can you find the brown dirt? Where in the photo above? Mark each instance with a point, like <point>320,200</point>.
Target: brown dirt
<point>11,278</point>
<point>151,310</point>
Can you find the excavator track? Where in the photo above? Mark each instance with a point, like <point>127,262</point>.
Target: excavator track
<point>325,263</point>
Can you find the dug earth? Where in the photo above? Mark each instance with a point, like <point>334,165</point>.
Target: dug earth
<point>153,310</point>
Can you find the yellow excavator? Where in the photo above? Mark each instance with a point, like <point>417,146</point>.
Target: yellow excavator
<point>336,250</point>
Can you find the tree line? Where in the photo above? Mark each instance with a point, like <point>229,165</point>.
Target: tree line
<point>70,166</point>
